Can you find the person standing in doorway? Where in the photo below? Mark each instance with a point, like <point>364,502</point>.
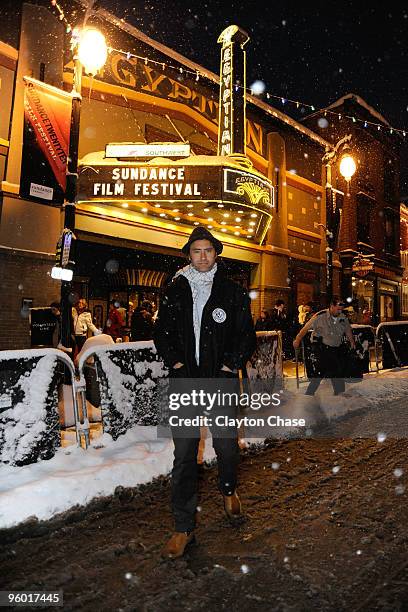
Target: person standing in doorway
<point>142,322</point>
<point>114,322</point>
<point>263,322</point>
<point>204,329</point>
<point>83,323</point>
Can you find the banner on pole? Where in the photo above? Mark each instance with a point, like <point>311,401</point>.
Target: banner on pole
<point>47,119</point>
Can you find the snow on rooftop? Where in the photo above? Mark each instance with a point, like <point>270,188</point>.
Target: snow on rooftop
<point>362,103</point>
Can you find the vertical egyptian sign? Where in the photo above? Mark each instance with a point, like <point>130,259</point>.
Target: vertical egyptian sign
<point>232,107</point>
<point>47,118</point>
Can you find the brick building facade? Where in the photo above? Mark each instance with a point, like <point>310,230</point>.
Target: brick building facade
<point>370,220</point>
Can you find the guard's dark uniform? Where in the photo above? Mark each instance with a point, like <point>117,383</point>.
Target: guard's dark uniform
<point>327,337</point>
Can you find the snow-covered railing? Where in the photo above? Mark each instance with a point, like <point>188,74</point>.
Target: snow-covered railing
<point>392,339</point>
<point>266,363</point>
<point>127,376</point>
<point>364,337</point>
<point>29,418</point>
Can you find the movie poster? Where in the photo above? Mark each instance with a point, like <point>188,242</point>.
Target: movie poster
<point>47,118</point>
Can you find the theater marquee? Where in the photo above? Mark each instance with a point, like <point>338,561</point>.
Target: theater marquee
<point>224,197</point>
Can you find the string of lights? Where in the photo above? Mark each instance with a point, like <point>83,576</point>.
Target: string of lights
<point>196,74</point>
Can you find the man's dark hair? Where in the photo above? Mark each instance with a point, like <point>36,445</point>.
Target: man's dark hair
<point>336,300</point>
<point>55,305</point>
<point>279,303</point>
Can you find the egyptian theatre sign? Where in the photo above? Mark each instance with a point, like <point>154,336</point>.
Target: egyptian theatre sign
<point>165,184</point>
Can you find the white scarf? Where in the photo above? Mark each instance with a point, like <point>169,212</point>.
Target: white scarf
<point>201,285</point>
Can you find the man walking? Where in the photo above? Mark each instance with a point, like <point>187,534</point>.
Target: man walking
<point>329,328</point>
<point>204,329</point>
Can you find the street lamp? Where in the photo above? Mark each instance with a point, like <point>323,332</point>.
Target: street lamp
<point>347,168</point>
<point>90,52</point>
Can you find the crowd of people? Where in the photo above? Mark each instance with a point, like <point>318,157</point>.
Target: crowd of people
<point>134,325</point>
<point>138,324</point>
<point>279,320</point>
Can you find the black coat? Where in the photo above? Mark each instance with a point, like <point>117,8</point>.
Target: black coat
<point>230,342</point>
<point>141,326</point>
<point>278,321</point>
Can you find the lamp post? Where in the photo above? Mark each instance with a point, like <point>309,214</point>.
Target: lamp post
<point>89,53</point>
<point>347,168</point>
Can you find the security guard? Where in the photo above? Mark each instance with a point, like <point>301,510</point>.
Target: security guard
<point>329,327</point>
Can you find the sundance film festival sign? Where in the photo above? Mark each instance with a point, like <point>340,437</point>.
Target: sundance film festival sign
<point>151,183</point>
<point>162,183</point>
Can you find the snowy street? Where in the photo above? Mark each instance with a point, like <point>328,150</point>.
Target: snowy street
<point>325,524</point>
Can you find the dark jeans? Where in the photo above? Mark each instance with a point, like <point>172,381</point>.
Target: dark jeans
<point>184,485</point>
<point>331,365</point>
<point>184,489</point>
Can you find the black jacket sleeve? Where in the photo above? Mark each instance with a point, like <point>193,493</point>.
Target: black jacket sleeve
<point>165,335</point>
<point>243,341</point>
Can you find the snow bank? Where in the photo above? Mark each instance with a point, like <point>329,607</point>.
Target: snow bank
<point>75,476</point>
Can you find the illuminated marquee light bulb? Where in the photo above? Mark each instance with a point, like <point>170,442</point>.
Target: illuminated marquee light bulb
<point>226,215</point>
<point>210,226</point>
<point>125,205</point>
<point>177,218</point>
<point>252,223</point>
<point>157,205</point>
<point>175,210</point>
<point>253,215</point>
<point>240,212</point>
<point>220,205</point>
<point>144,210</point>
<point>206,210</point>
<point>162,214</point>
<point>236,233</point>
<point>250,230</point>
<point>237,218</point>
<point>223,229</point>
<point>189,206</point>
<point>190,214</point>
<point>210,219</point>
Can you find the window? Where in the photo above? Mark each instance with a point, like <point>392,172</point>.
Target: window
<point>391,191</point>
<point>364,207</point>
<point>391,232</point>
<point>404,264</point>
<point>405,299</point>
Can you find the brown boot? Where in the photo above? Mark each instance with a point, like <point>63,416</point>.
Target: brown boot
<point>177,544</point>
<point>232,505</point>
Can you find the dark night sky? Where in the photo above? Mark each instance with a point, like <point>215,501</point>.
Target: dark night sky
<point>314,52</point>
